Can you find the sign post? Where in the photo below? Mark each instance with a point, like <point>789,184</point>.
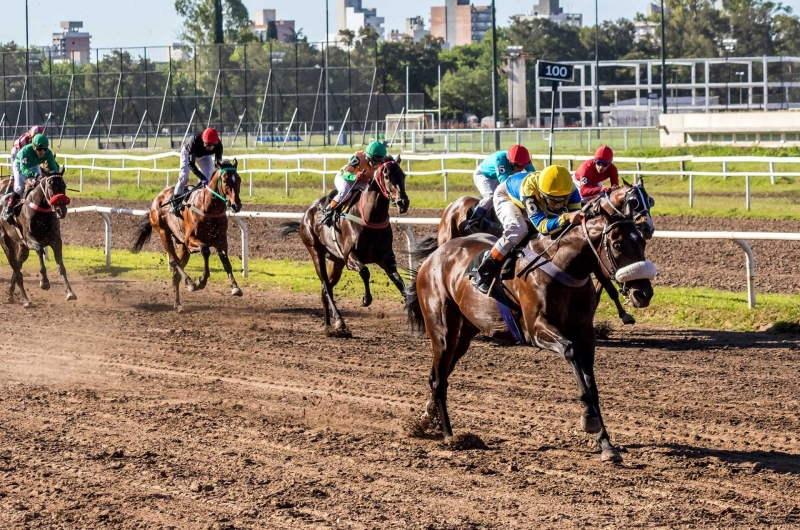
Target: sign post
<point>557,73</point>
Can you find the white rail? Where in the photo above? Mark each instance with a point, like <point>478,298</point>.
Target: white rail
<point>769,168</point>
<point>740,238</point>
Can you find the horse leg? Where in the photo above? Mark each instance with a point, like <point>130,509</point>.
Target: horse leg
<point>174,262</point>
<point>585,356</point>
<point>334,272</point>
<point>62,271</point>
<point>548,337</point>
<point>23,256</point>
<point>317,253</point>
<point>206,253</point>
<point>226,265</point>
<point>389,266</point>
<point>44,282</point>
<point>606,283</point>
<point>449,344</point>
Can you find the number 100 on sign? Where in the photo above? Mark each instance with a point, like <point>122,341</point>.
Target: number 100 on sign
<point>555,71</point>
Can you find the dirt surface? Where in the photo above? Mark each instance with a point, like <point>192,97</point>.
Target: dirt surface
<point>118,413</point>
<point>687,263</point>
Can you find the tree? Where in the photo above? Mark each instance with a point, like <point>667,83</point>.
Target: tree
<point>199,21</point>
<point>272,30</point>
<point>347,37</point>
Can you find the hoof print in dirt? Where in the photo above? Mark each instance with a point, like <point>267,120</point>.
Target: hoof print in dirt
<point>465,442</point>
<point>422,427</point>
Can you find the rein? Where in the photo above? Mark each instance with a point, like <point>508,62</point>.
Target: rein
<point>612,273</point>
<point>40,184</point>
<point>378,179</point>
<point>216,194</point>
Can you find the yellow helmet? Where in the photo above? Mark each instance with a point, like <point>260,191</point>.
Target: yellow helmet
<point>555,182</point>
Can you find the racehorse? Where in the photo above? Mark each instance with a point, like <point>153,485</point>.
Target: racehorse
<point>632,201</point>
<point>550,303</point>
<point>361,236</point>
<point>203,224</point>
<point>36,227</point>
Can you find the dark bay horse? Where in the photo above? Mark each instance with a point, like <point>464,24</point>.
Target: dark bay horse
<point>362,236</point>
<point>203,224</point>
<point>631,201</point>
<point>554,314</point>
<point>36,227</point>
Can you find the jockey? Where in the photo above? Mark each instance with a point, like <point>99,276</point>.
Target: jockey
<point>22,141</point>
<point>549,199</point>
<point>197,149</point>
<point>592,173</point>
<point>494,171</point>
<point>355,175</point>
<point>26,166</point>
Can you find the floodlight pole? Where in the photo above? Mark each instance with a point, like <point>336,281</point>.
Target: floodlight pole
<point>597,66</point>
<point>494,80</point>
<point>663,64</point>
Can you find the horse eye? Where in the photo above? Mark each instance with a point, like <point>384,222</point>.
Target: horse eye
<point>634,203</point>
<point>651,201</point>
<point>617,246</point>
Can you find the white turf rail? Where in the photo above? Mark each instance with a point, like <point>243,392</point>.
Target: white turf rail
<point>740,238</point>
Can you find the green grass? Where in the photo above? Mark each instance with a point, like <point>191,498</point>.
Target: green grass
<point>673,307</point>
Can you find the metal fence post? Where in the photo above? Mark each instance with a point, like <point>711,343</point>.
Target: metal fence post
<point>107,221</point>
<point>444,179</point>
<point>447,142</point>
<point>483,141</point>
<point>625,138</point>
<point>519,137</point>
<point>139,178</point>
<point>287,183</point>
<point>251,184</point>
<point>109,179</point>
<point>691,190</point>
<point>168,178</point>
<point>747,192</point>
<point>772,173</point>
<point>683,168</point>
<point>80,182</point>
<point>724,171</point>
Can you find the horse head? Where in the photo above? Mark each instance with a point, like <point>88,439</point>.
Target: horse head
<point>54,190</point>
<point>229,183</point>
<point>621,252</point>
<point>634,203</point>
<point>391,180</point>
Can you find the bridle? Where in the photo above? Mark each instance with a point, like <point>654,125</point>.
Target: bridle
<point>378,178</point>
<point>48,196</point>
<point>605,243</point>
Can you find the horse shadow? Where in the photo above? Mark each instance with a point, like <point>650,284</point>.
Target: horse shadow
<point>776,461</point>
<point>782,335</point>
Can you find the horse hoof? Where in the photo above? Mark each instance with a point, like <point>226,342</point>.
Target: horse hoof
<point>611,455</point>
<point>191,287</point>
<point>236,291</point>
<point>44,286</point>
<point>591,425</point>
<point>627,319</point>
<point>71,296</point>
<point>340,332</point>
<point>179,309</point>
<point>366,302</point>
<point>26,304</point>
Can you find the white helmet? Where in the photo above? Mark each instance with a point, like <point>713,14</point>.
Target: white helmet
<point>35,130</point>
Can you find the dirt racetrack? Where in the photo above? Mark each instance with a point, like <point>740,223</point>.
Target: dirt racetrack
<point>682,263</point>
<point>118,413</point>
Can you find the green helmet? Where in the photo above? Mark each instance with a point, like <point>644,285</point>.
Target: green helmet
<point>41,140</point>
<point>376,151</point>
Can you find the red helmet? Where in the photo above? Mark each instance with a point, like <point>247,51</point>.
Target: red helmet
<point>210,136</point>
<point>605,154</point>
<point>519,156</point>
<point>35,130</point>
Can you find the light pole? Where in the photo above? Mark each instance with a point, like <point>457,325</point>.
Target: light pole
<point>27,68</point>
<point>741,76</point>
<point>596,68</point>
<point>729,45</point>
<point>494,80</point>
<point>513,53</point>
<point>327,139</point>
<point>663,64</point>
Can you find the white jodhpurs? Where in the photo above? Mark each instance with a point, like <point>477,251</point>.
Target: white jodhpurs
<point>345,187</point>
<point>486,188</point>
<point>19,178</point>
<point>515,228</point>
<point>204,163</point>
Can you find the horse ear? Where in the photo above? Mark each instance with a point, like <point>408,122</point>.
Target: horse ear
<point>235,163</point>
<point>640,181</point>
<point>398,160</point>
<point>627,185</point>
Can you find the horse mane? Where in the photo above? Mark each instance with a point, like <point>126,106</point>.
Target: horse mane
<point>226,163</point>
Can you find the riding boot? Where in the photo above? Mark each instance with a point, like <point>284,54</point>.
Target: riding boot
<point>8,214</point>
<point>329,213</point>
<point>486,273</point>
<point>475,219</point>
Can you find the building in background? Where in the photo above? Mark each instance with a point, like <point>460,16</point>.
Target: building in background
<point>459,23</point>
<point>180,52</point>
<point>285,28</point>
<point>644,29</point>
<point>350,14</point>
<point>415,30</point>
<point>550,10</point>
<point>71,44</point>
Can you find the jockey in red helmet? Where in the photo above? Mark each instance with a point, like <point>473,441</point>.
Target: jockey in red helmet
<point>590,176</point>
<point>197,150</point>
<point>494,171</point>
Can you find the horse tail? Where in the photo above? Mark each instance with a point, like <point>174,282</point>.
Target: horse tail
<point>423,248</point>
<point>288,228</point>
<point>145,230</point>
<point>415,320</point>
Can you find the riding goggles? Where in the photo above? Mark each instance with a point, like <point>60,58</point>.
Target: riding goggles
<point>601,163</point>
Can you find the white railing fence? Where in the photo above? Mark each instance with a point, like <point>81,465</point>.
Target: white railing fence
<point>331,162</point>
<point>740,238</point>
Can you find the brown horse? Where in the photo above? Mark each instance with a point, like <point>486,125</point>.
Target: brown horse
<point>361,236</point>
<point>552,304</point>
<point>203,224</point>
<point>36,227</point>
<point>632,201</point>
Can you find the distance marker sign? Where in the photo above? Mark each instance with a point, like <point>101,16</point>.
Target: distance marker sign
<point>555,71</point>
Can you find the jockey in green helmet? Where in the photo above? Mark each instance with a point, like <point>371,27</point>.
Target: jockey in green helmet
<point>355,175</point>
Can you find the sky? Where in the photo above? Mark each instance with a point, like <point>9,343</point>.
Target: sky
<point>134,23</point>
